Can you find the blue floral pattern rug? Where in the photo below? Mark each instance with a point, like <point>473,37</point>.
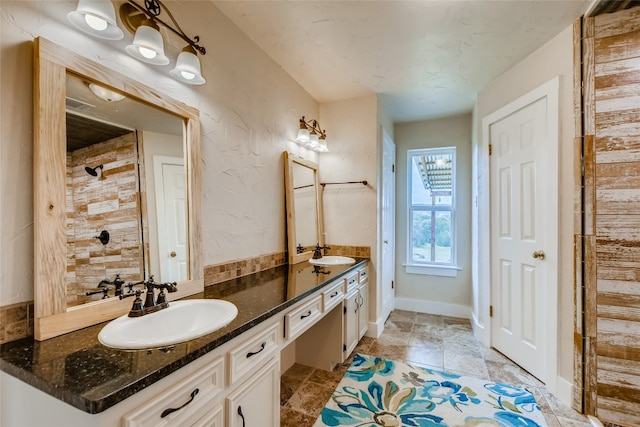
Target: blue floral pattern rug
<point>380,392</point>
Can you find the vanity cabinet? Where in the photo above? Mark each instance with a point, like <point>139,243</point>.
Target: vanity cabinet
<point>351,305</point>
<point>257,402</point>
<point>185,403</point>
<point>356,310</point>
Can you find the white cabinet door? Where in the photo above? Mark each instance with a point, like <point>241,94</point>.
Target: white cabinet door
<point>350,322</point>
<point>363,310</point>
<point>257,402</point>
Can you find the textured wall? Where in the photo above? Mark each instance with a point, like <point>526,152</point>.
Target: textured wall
<point>350,211</point>
<point>249,112</point>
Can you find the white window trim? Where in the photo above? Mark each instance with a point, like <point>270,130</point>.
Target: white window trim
<point>432,268</point>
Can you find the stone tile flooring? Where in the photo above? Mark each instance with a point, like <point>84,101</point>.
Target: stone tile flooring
<point>437,342</point>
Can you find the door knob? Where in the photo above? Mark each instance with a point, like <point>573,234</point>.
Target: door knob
<point>173,254</point>
<point>386,242</point>
<point>538,254</point>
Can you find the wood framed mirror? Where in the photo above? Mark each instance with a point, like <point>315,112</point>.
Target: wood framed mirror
<point>304,208</point>
<point>56,72</point>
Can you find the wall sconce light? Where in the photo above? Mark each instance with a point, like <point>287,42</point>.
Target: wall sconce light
<point>312,136</point>
<point>97,17</point>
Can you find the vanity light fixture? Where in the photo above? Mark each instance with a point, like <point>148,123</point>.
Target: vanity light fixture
<point>312,136</point>
<point>97,17</point>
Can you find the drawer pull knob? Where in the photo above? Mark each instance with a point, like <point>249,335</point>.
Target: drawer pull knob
<point>241,414</point>
<point>306,315</point>
<point>253,353</point>
<point>335,294</point>
<point>172,410</point>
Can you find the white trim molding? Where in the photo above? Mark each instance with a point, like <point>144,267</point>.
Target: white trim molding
<point>433,307</point>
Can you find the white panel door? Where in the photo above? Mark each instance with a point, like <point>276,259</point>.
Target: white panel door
<point>518,203</point>
<point>388,224</point>
<point>172,219</point>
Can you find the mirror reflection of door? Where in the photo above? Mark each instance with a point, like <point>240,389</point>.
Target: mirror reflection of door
<point>170,192</point>
<point>110,187</point>
<point>306,218</point>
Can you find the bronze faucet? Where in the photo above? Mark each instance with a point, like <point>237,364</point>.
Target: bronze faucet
<point>317,252</point>
<point>150,304</point>
<point>104,287</point>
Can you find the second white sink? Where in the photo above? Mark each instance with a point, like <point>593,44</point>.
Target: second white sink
<point>181,321</point>
<point>333,260</point>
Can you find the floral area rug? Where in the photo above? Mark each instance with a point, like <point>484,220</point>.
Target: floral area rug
<point>380,392</point>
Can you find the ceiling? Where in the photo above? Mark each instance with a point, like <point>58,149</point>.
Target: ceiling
<point>427,59</point>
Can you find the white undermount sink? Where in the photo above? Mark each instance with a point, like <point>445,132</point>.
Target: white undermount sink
<point>333,260</point>
<point>181,321</point>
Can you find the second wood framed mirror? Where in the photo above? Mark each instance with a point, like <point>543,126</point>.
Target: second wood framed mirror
<point>304,208</point>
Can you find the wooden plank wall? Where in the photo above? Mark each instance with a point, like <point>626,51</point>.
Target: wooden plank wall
<point>612,86</point>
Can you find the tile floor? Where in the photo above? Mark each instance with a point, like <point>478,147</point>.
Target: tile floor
<point>427,340</point>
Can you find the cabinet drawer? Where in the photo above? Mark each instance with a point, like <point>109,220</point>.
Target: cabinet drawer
<point>351,282</point>
<point>298,320</point>
<point>209,383</point>
<point>363,274</point>
<point>332,296</point>
<point>250,354</point>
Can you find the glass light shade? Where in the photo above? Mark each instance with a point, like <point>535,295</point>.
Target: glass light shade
<point>98,18</point>
<point>322,145</point>
<point>148,45</point>
<point>314,141</point>
<point>303,136</point>
<point>106,94</point>
<point>187,68</point>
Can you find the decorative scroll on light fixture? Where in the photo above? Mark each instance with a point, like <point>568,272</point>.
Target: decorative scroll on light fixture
<point>312,136</point>
<point>97,17</point>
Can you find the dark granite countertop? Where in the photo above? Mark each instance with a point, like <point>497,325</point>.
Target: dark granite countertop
<point>80,371</point>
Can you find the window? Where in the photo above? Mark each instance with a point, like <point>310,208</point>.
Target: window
<point>431,184</point>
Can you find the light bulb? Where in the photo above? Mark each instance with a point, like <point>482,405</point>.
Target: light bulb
<point>187,75</point>
<point>95,22</point>
<point>147,53</point>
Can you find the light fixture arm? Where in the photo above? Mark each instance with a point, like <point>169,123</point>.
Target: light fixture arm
<point>313,125</point>
<point>153,8</point>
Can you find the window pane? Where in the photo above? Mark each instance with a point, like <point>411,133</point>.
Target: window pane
<point>431,205</point>
<point>419,194</point>
<point>421,236</point>
<point>443,237</point>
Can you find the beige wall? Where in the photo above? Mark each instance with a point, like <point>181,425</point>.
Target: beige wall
<point>350,211</point>
<point>249,111</point>
<point>435,294</point>
<point>553,59</point>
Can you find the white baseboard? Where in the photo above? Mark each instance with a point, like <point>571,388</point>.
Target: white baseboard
<point>375,328</point>
<point>564,390</point>
<point>432,307</point>
<point>479,331</point>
